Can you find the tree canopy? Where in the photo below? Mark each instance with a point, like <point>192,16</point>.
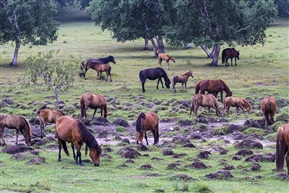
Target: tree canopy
<point>26,21</point>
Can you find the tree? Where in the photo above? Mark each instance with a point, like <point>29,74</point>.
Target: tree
<point>27,21</point>
<point>57,74</point>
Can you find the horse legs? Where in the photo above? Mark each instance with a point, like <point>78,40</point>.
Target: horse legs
<point>78,154</point>
<point>287,160</point>
<point>266,119</point>
<point>160,62</point>
<point>72,147</point>
<point>146,138</point>
<point>156,135</point>
<point>227,110</point>
<point>94,112</point>
<point>2,136</point>
<point>168,65</point>
<point>143,89</point>
<point>231,61</point>
<point>243,112</point>
<point>160,81</point>
<point>59,148</point>
<point>17,135</point>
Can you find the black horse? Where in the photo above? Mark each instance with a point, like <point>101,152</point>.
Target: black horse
<point>229,53</point>
<point>153,74</point>
<point>90,62</point>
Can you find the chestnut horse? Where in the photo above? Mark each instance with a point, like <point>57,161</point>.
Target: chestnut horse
<point>213,87</point>
<point>204,101</point>
<point>153,74</point>
<point>15,122</point>
<point>93,101</point>
<point>75,132</point>
<point>99,68</point>
<point>146,122</point>
<point>268,108</point>
<point>237,102</point>
<point>282,147</point>
<point>166,58</point>
<point>229,53</point>
<point>182,79</point>
<point>47,115</point>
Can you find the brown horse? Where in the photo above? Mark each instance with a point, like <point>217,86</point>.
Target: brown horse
<point>268,108</point>
<point>47,115</point>
<point>146,122</point>
<point>93,101</point>
<point>166,58</point>
<point>282,148</point>
<point>204,101</point>
<point>182,79</point>
<point>15,122</point>
<point>213,87</point>
<point>229,53</point>
<point>237,102</point>
<point>74,131</point>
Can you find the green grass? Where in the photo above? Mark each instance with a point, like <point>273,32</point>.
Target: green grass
<point>261,70</point>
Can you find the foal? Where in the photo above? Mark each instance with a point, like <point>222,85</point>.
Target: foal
<point>165,57</point>
<point>182,79</point>
<point>237,102</point>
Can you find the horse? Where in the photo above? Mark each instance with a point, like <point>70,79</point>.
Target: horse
<point>74,131</point>
<point>229,53</point>
<point>47,115</point>
<point>165,57</point>
<point>213,87</point>
<point>182,79</point>
<point>204,101</point>
<point>85,65</point>
<point>99,68</point>
<point>153,74</point>
<point>15,122</point>
<point>93,101</point>
<point>282,148</point>
<point>268,108</point>
<point>145,122</point>
<point>237,102</point>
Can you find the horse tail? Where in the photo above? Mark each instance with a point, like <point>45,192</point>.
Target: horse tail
<point>280,150</point>
<point>223,56</point>
<point>82,106</point>
<point>64,147</point>
<point>141,76</point>
<point>139,127</point>
<point>38,110</point>
<point>197,87</point>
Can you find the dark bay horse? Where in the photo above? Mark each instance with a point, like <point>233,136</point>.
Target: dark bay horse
<point>46,115</point>
<point>182,79</point>
<point>213,87</point>
<point>166,58</point>
<point>146,122</point>
<point>229,53</point>
<point>153,74</point>
<point>15,122</point>
<point>85,65</point>
<point>93,101</point>
<point>282,148</point>
<point>237,102</point>
<point>75,132</point>
<point>204,101</point>
<point>268,107</point>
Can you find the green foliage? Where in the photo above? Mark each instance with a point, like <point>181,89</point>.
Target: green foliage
<point>120,129</point>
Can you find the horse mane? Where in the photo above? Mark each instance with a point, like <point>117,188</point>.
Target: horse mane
<point>197,87</point>
<point>139,127</point>
<point>246,103</point>
<point>43,107</point>
<point>185,73</point>
<point>28,126</point>
<point>165,74</point>
<point>227,89</point>
<point>87,137</point>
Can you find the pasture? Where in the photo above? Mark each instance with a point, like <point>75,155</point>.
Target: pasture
<point>262,70</point>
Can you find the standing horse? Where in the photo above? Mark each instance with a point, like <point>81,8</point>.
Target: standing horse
<point>15,122</point>
<point>99,68</point>
<point>213,87</point>
<point>282,148</point>
<point>153,74</point>
<point>47,115</point>
<point>93,101</point>
<point>85,65</point>
<point>268,108</point>
<point>237,102</point>
<point>165,57</point>
<point>229,53</point>
<point>146,122</point>
<point>204,101</point>
<point>74,131</point>
<point>182,79</point>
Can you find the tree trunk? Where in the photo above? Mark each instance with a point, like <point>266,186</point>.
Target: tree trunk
<point>206,50</point>
<point>160,43</point>
<point>215,54</point>
<point>187,45</point>
<point>146,44</point>
<point>15,56</point>
<point>154,47</point>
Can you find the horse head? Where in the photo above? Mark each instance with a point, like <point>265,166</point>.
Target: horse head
<point>167,82</point>
<point>111,58</point>
<point>172,59</point>
<point>95,153</point>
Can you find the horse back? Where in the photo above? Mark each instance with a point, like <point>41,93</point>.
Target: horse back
<point>13,121</point>
<point>268,104</point>
<point>65,126</point>
<point>151,121</point>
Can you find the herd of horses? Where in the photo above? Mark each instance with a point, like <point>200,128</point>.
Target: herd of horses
<point>74,131</point>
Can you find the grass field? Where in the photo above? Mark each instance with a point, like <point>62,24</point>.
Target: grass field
<point>262,70</point>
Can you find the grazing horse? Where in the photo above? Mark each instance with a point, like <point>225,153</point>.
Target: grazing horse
<point>229,53</point>
<point>268,108</point>
<point>75,132</point>
<point>213,87</point>
<point>47,115</point>
<point>93,101</point>
<point>99,68</point>
<point>146,122</point>
<point>85,65</point>
<point>182,79</point>
<point>165,57</point>
<point>237,102</point>
<point>153,74</point>
<point>282,148</point>
<point>15,122</point>
<point>204,101</point>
